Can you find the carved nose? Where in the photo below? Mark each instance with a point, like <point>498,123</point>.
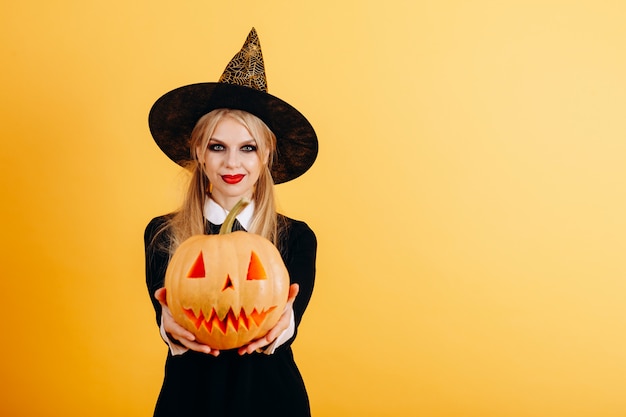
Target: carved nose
<point>228,284</point>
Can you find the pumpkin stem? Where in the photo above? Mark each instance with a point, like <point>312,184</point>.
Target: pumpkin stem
<point>227,226</point>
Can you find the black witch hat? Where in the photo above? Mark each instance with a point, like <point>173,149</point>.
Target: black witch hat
<point>242,86</point>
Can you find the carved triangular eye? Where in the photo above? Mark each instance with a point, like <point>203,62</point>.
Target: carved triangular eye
<point>255,269</point>
<point>197,269</point>
<point>228,284</point>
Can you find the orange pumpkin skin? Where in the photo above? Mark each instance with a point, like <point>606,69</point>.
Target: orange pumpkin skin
<point>228,290</point>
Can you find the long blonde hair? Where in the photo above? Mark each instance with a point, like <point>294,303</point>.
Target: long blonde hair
<point>189,219</point>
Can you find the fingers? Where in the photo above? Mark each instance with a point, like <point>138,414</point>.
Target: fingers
<point>172,328</point>
<point>188,340</point>
<point>185,337</point>
<point>254,345</point>
<point>293,292</point>
<point>281,325</point>
<point>199,347</point>
<point>178,333</point>
<point>161,296</point>
<point>176,330</point>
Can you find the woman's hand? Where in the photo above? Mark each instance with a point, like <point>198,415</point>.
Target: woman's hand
<point>176,331</point>
<point>281,325</point>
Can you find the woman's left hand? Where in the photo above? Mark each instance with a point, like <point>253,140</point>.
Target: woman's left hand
<point>281,325</point>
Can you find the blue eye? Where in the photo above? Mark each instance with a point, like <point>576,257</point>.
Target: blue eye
<point>216,147</point>
<point>248,148</point>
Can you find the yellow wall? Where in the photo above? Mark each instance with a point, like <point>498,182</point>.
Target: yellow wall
<point>469,199</point>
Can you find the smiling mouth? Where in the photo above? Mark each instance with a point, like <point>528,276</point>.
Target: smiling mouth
<point>232,179</point>
<point>231,319</point>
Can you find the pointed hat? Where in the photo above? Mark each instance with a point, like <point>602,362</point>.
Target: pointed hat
<point>242,86</point>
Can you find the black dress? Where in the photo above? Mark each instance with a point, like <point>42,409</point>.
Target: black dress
<point>196,384</point>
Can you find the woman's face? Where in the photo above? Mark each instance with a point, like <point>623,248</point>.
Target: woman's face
<point>231,162</point>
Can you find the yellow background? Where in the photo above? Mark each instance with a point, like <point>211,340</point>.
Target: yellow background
<point>469,199</point>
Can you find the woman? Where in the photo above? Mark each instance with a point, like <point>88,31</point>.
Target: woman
<point>230,153</point>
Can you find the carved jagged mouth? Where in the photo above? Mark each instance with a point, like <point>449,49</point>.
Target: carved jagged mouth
<point>236,321</point>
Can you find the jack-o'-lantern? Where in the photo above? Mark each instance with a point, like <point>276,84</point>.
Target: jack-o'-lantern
<point>227,289</point>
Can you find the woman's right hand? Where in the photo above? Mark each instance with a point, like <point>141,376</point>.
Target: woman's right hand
<point>176,331</point>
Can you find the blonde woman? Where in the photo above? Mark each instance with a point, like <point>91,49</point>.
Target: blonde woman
<point>220,132</point>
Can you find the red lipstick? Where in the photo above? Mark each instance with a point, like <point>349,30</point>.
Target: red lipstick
<point>232,179</point>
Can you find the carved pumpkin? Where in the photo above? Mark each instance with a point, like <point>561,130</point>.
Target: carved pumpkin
<point>227,289</point>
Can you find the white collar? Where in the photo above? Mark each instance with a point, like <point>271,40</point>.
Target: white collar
<point>216,214</point>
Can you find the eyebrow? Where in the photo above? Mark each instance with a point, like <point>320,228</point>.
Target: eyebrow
<point>247,142</point>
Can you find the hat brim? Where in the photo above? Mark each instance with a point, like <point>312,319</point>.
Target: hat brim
<point>174,115</point>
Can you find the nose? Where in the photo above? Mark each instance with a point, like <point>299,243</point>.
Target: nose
<point>232,159</point>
